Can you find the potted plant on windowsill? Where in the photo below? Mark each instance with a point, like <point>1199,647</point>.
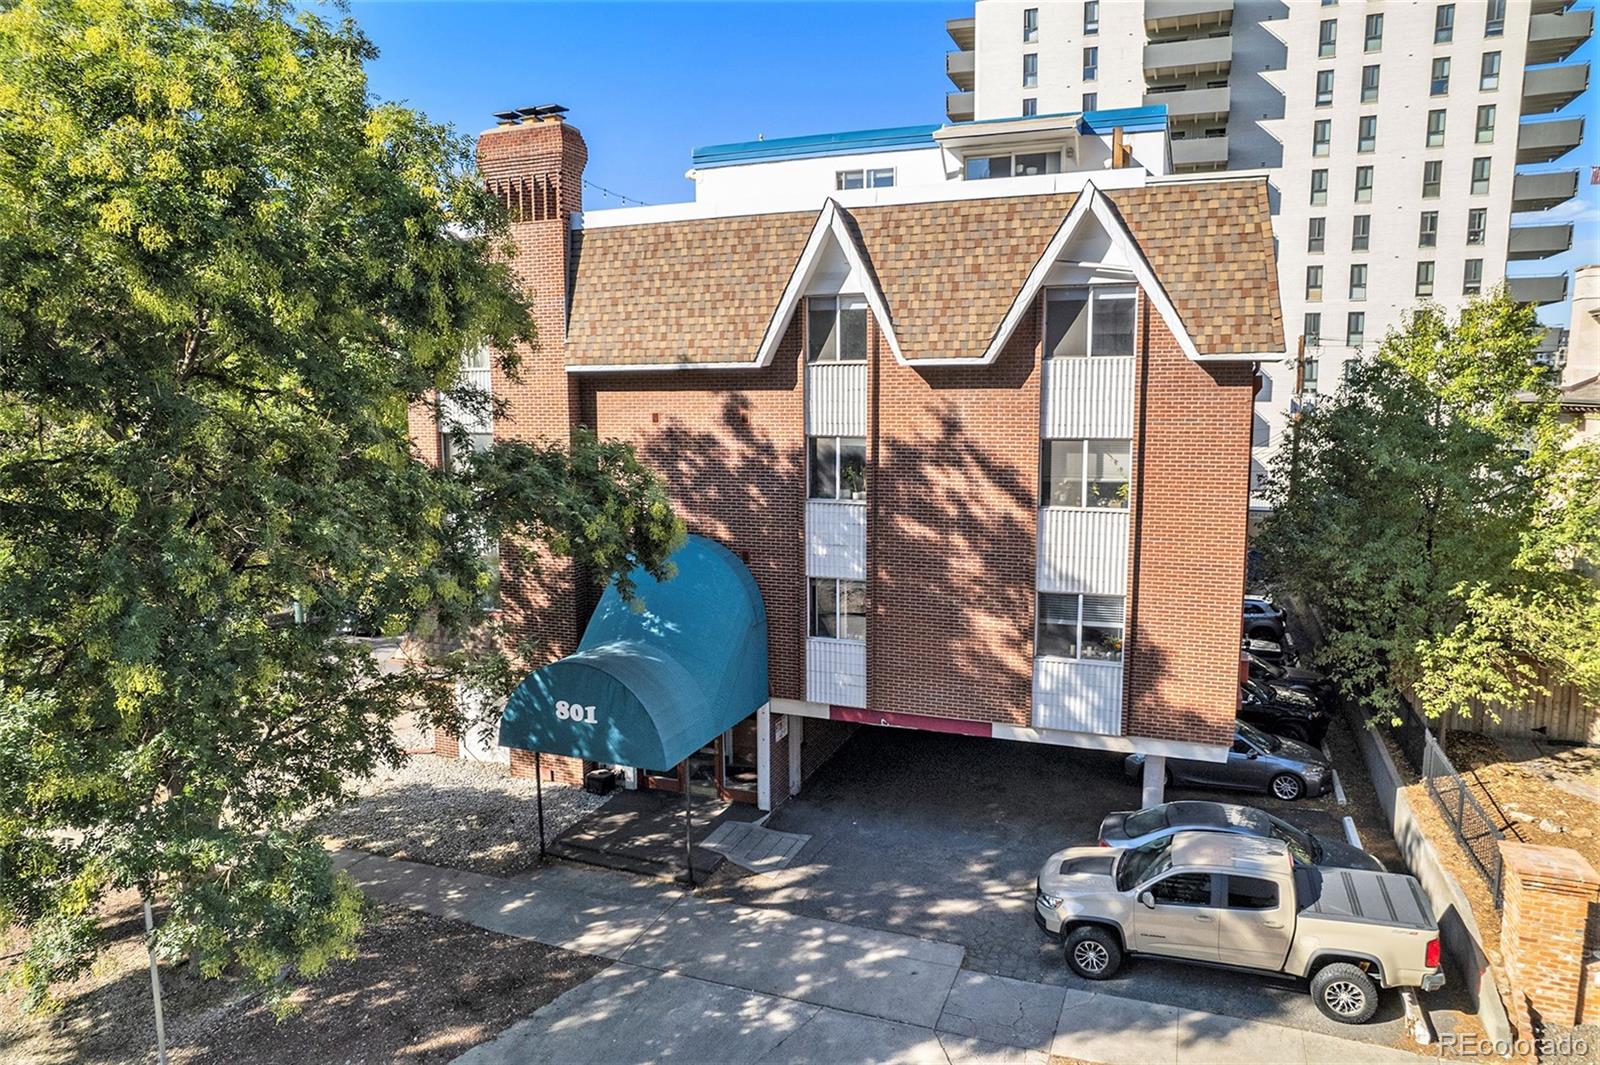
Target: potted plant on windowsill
<point>855,483</point>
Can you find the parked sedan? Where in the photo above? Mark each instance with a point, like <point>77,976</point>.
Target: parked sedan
<point>1278,675</point>
<point>1256,762</point>
<point>1135,828</point>
<point>1283,712</point>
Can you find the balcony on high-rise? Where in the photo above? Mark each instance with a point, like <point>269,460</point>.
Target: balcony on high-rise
<point>1539,241</point>
<point>1197,105</point>
<point>958,106</point>
<point>1557,34</point>
<point>1546,289</point>
<point>1540,192</point>
<point>1543,142</point>
<point>958,67</point>
<point>963,31</point>
<point>1186,58</point>
<point>1199,153</point>
<point>1547,89</point>
<point>1176,16</point>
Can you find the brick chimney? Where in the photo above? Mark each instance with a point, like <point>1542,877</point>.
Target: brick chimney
<point>533,161</point>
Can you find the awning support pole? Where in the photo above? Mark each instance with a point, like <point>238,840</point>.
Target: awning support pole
<point>538,794</point>
<point>688,841</point>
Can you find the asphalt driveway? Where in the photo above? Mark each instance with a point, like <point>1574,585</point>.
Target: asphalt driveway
<point>942,836</point>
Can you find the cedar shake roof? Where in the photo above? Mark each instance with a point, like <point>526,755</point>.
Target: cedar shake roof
<point>704,291</point>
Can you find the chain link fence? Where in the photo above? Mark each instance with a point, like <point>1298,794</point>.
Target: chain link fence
<point>1478,832</point>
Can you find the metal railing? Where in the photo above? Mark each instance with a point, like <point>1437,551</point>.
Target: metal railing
<point>1474,828</point>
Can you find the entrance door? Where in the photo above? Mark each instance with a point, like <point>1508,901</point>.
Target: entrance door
<point>703,770</point>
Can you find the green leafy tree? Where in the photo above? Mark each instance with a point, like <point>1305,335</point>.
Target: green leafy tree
<point>226,274</point>
<point>1441,519</point>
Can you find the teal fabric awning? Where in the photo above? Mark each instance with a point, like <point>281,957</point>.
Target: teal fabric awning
<point>648,688</point>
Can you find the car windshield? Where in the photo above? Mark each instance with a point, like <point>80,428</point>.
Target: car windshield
<point>1142,863</point>
<point>1145,821</point>
<point>1266,667</point>
<point>1257,737</point>
<point>1302,844</point>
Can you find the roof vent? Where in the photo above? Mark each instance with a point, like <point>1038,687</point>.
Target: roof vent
<point>536,114</point>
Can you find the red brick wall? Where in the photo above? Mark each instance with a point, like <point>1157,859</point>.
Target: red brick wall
<point>1189,503</point>
<point>951,534</point>
<point>730,446</point>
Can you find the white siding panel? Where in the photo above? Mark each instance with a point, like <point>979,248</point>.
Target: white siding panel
<point>836,672</point>
<point>836,539</point>
<point>1083,550</point>
<point>1090,398</point>
<point>1078,696</point>
<point>836,399</point>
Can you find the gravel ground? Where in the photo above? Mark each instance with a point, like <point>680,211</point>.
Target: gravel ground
<point>459,814</point>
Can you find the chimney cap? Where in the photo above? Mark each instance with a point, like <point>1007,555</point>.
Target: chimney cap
<point>538,113</point>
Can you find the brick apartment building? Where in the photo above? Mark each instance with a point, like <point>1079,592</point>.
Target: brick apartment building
<point>983,446</point>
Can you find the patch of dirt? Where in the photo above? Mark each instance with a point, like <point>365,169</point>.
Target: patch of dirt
<point>421,990</point>
<point>455,813</point>
<point>1538,793</point>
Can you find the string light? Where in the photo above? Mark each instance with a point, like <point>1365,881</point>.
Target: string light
<point>619,197</point>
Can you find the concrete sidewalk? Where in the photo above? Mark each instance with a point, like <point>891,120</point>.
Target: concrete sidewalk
<point>714,981</point>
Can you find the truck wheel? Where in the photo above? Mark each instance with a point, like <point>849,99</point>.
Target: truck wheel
<point>1287,786</point>
<point>1344,993</point>
<point>1093,953</point>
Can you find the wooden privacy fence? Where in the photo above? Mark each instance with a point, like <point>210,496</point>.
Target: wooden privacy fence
<point>1560,715</point>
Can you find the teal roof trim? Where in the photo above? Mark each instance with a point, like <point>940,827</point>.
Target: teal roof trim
<point>649,687</point>
<point>1151,119</point>
<point>898,138</point>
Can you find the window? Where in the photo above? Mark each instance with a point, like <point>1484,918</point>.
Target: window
<point>845,180</point>
<point>1428,232</point>
<point>1489,72</point>
<point>1472,278</point>
<point>1432,172</point>
<point>1439,84</point>
<point>838,609</point>
<point>1080,626</point>
<point>836,329</point>
<point>1358,281</point>
<point>1091,64</point>
<point>1091,101</point>
<point>1080,321</point>
<point>1248,893</point>
<point>1184,889</point>
<point>454,448</point>
<point>1367,134</point>
<point>1309,372</point>
<point>1363,184</point>
<point>1494,19</point>
<point>1480,176</point>
<point>1316,234</point>
<point>1313,283</point>
<point>1436,128</point>
<point>999,166</point>
<point>1485,130</point>
<point>1355,329</point>
<point>1369,84</point>
<point>1091,18</point>
<point>1374,38</point>
<point>1030,25</point>
<point>1444,24</point>
<point>1319,187</point>
<point>1327,37</point>
<point>1030,70</point>
<point>1360,232</point>
<point>1321,136</point>
<point>1324,88</point>
<point>1425,278</point>
<point>1477,224</point>
<point>1084,473</point>
<point>1313,329</point>
<point>838,467</point>
<point>1030,106</point>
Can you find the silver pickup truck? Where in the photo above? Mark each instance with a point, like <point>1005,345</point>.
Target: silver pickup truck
<point>1242,902</point>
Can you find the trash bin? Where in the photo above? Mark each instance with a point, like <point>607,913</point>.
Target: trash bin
<point>600,781</point>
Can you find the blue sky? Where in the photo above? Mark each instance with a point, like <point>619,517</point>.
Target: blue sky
<point>649,82</point>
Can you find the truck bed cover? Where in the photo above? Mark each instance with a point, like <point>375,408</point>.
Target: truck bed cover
<point>1364,896</point>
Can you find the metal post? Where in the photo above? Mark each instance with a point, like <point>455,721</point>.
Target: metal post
<point>155,984</point>
<point>688,840</point>
<point>538,795</point>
